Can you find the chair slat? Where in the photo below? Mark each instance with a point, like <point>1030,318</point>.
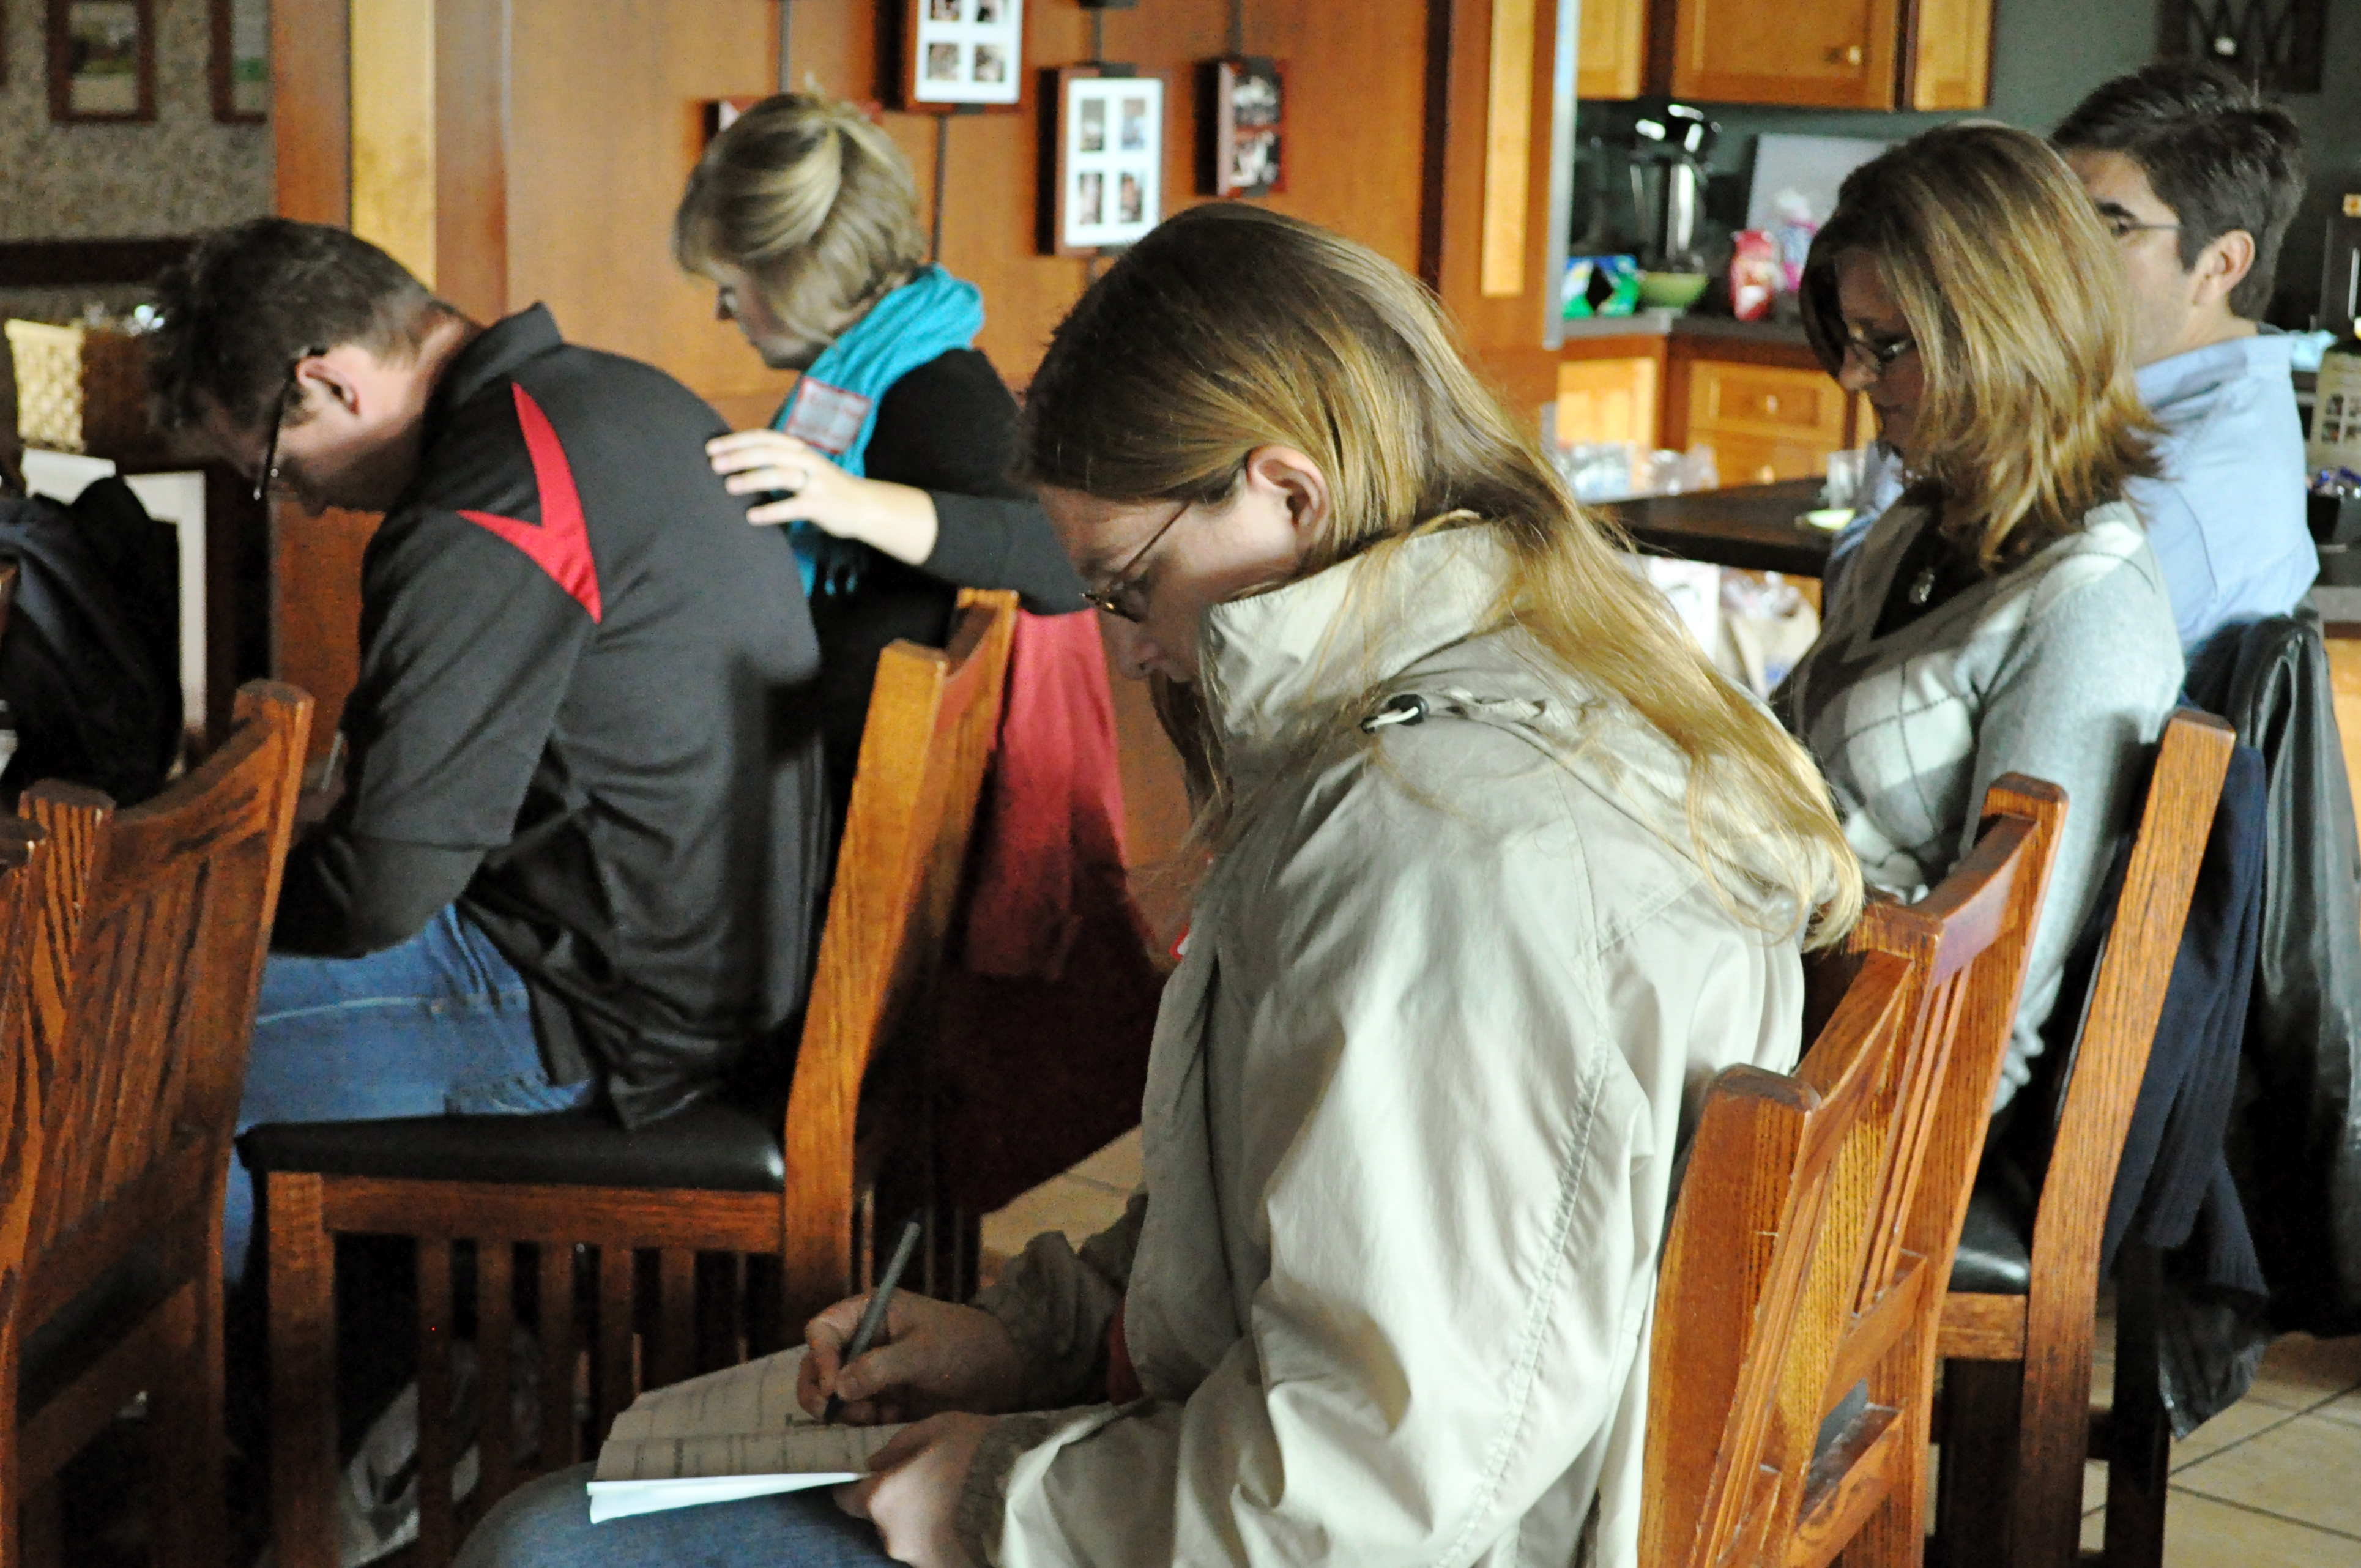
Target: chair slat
<point>436,1525</point>
<point>614,1369</point>
<point>495,1326</point>
<point>560,1437</point>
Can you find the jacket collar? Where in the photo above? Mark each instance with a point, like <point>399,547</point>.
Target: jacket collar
<point>1279,662</point>
<point>498,351</point>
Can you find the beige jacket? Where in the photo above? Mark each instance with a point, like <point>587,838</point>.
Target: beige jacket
<point>1449,1000</point>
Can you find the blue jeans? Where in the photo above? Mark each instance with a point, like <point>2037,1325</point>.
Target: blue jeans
<point>439,1025</point>
<point>546,1524</point>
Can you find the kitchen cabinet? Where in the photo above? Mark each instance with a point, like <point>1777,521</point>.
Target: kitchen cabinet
<point>1756,396</point>
<point>1829,54</point>
<point>1609,399</point>
<point>1765,421</point>
<point>1613,59</point>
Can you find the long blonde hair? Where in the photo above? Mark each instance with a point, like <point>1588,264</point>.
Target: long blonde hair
<point>1232,328</point>
<point>2022,316</point>
<point>813,202</point>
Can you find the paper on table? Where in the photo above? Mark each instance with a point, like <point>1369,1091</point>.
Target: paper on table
<point>727,1435</point>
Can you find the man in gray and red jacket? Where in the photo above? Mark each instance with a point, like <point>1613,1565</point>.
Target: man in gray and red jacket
<point>580,850</point>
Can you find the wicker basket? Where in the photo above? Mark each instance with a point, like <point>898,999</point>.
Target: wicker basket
<point>79,389</point>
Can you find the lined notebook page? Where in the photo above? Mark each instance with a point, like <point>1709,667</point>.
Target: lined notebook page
<point>729,1435</point>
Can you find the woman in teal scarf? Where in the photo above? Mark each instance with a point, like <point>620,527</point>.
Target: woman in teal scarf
<point>889,462</point>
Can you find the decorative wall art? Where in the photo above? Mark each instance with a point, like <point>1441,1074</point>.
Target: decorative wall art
<point>241,62</point>
<point>1245,116</point>
<point>101,60</point>
<point>960,52</point>
<point>1106,182</point>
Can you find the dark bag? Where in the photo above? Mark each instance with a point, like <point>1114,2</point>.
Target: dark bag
<point>89,665</point>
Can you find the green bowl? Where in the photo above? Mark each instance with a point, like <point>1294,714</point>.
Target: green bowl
<point>1672,290</point>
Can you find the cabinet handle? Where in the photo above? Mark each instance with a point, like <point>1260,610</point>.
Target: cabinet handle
<point>1849,54</point>
<point>1770,402</point>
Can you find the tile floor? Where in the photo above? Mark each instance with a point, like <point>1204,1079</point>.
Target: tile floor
<point>2273,1482</point>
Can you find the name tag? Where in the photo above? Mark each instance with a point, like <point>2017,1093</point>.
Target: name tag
<point>827,417</point>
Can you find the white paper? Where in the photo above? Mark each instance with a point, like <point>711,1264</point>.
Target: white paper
<point>725,1436</point>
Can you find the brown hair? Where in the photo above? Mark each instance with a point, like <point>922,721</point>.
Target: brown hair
<point>2214,151</point>
<point>1232,328</point>
<point>813,202</point>
<point>2022,318</point>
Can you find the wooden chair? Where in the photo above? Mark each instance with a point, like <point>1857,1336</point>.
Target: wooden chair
<point>1793,1363</point>
<point>2016,1339</point>
<point>722,1178</point>
<point>128,1030</point>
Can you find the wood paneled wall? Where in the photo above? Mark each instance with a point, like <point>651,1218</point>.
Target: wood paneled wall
<point>564,129</point>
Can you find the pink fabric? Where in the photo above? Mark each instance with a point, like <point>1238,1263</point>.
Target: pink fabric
<point>1045,1017</point>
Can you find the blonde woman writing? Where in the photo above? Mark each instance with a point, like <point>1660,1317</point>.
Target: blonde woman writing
<point>2007,615</point>
<point>1504,872</point>
<point>890,462</point>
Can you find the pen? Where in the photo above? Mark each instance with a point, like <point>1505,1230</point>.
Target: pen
<point>873,1317</point>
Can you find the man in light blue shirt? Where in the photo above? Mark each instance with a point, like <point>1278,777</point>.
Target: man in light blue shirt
<point>2197,178</point>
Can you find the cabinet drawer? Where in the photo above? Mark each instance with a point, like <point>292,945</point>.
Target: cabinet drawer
<point>1765,399</point>
<point>1741,459</point>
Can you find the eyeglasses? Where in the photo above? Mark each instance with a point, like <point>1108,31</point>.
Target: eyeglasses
<point>2123,225</point>
<point>1878,353</point>
<point>1122,596</point>
<point>270,469</point>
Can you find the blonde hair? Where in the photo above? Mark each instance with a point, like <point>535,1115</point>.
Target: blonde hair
<point>2022,316</point>
<point>813,202</point>
<point>1232,328</point>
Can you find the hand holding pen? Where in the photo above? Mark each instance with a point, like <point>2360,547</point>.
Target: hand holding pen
<point>922,1356</point>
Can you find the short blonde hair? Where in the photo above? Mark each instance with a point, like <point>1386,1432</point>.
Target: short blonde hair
<point>813,202</point>
<point>2022,316</point>
<point>1232,328</point>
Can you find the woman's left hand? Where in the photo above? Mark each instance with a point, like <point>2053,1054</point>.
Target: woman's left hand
<point>913,1491</point>
<point>897,519</point>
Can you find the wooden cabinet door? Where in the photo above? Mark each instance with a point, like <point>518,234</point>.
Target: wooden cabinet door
<point>1950,61</point>
<point>1836,54</point>
<point>1613,59</point>
<point>1608,399</point>
<point>1765,421</point>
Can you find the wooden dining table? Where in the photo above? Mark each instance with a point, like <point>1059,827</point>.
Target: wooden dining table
<point>1757,527</point>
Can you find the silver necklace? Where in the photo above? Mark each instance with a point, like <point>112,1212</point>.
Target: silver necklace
<point>1922,586</point>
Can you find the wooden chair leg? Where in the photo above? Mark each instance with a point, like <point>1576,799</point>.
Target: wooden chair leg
<point>303,1289</point>
<point>189,1515</point>
<point>1976,1484</point>
<point>2139,1453</point>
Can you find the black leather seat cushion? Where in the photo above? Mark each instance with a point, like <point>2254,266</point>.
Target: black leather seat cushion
<point>712,1146</point>
<point>1996,1256</point>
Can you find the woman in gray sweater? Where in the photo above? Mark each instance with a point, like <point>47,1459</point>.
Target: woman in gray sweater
<point>2005,616</point>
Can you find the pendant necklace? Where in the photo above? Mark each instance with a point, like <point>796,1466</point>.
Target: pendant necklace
<point>1922,586</point>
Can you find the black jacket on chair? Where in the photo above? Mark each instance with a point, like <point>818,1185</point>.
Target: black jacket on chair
<point>2295,1133</point>
<point>90,667</point>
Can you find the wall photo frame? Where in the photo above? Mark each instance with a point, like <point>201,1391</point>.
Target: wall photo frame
<point>241,62</point>
<point>1245,120</point>
<point>1105,185</point>
<point>101,61</point>
<point>963,54</point>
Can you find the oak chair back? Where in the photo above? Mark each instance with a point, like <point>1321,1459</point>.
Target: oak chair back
<point>1789,1398</point>
<point>129,1014</point>
<point>2018,1423</point>
<point>662,1294</point>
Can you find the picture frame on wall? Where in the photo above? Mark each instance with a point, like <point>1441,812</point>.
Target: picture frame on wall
<point>963,54</point>
<point>241,62</point>
<point>1246,123</point>
<point>101,61</point>
<point>1105,184</point>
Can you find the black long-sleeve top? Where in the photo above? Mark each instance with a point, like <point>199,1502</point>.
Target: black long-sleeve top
<point>947,428</point>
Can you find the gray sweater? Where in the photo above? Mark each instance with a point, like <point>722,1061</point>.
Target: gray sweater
<point>2062,669</point>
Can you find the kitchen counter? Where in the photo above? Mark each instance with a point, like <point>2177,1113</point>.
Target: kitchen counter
<point>1688,325</point>
<point>1752,526</point>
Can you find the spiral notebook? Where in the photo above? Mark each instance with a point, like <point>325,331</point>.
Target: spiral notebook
<point>727,1435</point>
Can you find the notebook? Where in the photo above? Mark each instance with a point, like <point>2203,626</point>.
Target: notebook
<point>727,1435</point>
